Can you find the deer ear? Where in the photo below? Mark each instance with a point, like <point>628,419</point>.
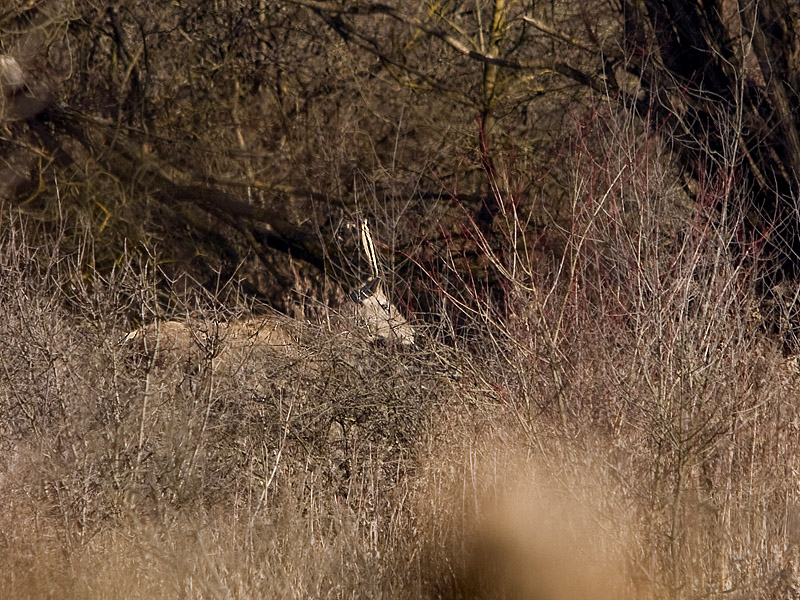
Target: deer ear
<point>365,291</point>
<point>20,99</point>
<point>12,79</point>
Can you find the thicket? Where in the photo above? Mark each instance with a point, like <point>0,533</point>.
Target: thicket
<point>586,211</point>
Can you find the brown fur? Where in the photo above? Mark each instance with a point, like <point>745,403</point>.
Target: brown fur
<point>186,339</point>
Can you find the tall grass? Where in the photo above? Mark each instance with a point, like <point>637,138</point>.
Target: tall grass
<point>643,344</point>
<point>614,420</point>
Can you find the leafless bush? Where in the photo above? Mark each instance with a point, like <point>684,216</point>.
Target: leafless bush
<point>614,375</point>
<point>96,432</point>
<point>646,328</point>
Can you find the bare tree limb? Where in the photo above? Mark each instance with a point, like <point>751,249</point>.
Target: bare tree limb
<point>552,32</point>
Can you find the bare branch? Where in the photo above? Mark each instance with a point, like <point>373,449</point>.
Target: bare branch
<point>545,28</point>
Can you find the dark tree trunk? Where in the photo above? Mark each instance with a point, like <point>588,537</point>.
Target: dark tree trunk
<point>727,78</point>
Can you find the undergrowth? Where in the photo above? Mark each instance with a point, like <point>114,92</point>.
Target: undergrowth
<point>613,419</point>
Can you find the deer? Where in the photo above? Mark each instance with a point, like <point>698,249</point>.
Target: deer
<point>368,313</point>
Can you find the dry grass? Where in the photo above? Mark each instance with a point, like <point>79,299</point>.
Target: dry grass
<point>623,426</point>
